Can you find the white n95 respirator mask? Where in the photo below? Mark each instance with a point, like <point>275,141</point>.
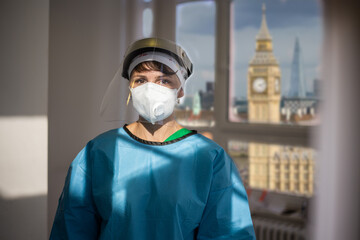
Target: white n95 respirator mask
<point>154,102</point>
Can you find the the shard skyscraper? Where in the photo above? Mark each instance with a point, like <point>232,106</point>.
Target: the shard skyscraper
<point>297,81</point>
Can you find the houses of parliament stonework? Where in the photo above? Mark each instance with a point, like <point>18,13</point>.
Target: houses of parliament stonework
<point>273,167</point>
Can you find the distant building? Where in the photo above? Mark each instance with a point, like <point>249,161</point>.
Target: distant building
<point>187,103</point>
<point>317,87</point>
<point>282,168</point>
<point>210,87</point>
<point>297,80</point>
<point>264,79</point>
<point>273,167</point>
<point>196,106</point>
<point>240,106</point>
<point>207,98</point>
<point>298,105</point>
<point>294,105</point>
<point>239,153</point>
<point>197,110</point>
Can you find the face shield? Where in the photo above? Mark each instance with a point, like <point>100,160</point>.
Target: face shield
<point>155,71</point>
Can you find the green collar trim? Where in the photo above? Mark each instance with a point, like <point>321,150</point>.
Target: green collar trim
<point>178,134</point>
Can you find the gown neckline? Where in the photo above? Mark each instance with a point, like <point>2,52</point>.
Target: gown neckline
<point>192,132</point>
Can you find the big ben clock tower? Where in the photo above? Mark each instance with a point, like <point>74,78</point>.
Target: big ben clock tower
<point>264,79</point>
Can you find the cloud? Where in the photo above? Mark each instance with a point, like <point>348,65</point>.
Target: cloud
<point>199,17</point>
<point>279,13</point>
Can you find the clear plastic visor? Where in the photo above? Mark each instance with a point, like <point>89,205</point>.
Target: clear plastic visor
<point>155,86</point>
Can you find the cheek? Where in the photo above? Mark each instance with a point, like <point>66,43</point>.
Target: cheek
<point>177,85</point>
<point>131,83</point>
<point>181,93</point>
<point>175,81</point>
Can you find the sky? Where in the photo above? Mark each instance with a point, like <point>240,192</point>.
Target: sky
<point>286,19</point>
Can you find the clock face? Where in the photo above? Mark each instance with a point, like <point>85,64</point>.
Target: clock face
<point>259,85</point>
<point>277,85</point>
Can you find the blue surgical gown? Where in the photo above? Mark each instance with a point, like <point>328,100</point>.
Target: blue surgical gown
<point>122,187</point>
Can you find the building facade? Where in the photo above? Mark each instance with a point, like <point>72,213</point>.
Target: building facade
<point>273,167</point>
<point>264,79</point>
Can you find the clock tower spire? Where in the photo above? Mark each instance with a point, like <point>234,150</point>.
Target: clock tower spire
<point>264,79</point>
<point>264,33</point>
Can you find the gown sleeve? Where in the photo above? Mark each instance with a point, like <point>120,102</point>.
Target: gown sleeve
<point>76,216</point>
<point>226,214</point>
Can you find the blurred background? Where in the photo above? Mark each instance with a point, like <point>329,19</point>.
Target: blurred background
<point>276,83</point>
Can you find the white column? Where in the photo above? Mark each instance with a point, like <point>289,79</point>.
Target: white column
<point>23,118</point>
<point>222,61</point>
<point>337,208</point>
<point>164,25</point>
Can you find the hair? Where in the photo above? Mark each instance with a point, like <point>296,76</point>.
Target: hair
<point>153,66</point>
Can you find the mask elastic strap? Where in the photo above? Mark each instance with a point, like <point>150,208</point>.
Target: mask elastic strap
<point>128,99</point>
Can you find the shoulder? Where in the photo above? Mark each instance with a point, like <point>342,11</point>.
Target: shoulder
<point>205,145</point>
<point>202,140</point>
<point>224,170</point>
<point>220,158</point>
<point>109,137</point>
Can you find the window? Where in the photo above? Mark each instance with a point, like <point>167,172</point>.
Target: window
<point>278,81</point>
<point>296,176</point>
<point>286,166</point>
<point>261,172</point>
<point>195,32</point>
<point>147,22</point>
<point>306,176</point>
<point>256,131</point>
<point>277,166</point>
<point>306,187</point>
<point>277,176</point>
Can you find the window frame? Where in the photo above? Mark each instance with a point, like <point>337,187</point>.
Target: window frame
<point>225,130</point>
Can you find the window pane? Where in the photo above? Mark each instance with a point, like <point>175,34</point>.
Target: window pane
<point>147,22</point>
<point>274,167</point>
<point>195,32</point>
<point>275,62</point>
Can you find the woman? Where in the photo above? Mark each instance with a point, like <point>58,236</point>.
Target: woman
<point>153,179</point>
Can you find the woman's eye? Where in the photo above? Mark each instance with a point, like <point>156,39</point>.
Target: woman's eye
<point>139,81</point>
<point>164,81</point>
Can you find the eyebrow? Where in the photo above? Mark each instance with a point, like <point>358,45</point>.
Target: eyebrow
<point>164,75</point>
<point>139,76</point>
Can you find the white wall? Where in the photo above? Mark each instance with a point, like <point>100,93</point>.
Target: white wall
<point>23,118</point>
<point>337,209</point>
<point>87,42</point>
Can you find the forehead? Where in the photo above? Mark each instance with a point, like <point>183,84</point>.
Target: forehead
<point>153,74</point>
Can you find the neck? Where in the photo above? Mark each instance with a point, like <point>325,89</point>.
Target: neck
<point>157,132</point>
